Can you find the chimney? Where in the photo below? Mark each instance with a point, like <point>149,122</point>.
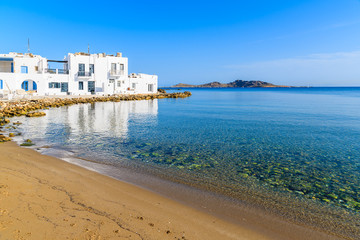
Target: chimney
<point>119,54</point>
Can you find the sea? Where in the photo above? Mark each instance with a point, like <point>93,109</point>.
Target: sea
<point>292,152</point>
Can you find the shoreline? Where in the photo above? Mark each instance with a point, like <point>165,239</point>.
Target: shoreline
<point>47,174</point>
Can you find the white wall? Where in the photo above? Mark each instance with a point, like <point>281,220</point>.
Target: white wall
<point>142,82</point>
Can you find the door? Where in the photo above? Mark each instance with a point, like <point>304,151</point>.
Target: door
<point>64,87</point>
<point>91,69</point>
<point>112,86</point>
<point>91,86</point>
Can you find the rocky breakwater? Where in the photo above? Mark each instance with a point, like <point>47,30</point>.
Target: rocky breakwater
<point>32,108</point>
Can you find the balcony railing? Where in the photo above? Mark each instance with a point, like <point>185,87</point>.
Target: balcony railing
<point>56,71</point>
<point>84,74</point>
<point>117,72</point>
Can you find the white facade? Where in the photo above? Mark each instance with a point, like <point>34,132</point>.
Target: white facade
<point>79,74</point>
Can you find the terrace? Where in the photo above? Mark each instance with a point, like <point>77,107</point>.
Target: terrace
<point>60,69</point>
<point>6,64</point>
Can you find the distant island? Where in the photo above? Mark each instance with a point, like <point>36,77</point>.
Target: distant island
<point>234,84</point>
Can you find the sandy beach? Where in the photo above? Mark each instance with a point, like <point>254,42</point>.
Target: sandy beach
<point>45,198</point>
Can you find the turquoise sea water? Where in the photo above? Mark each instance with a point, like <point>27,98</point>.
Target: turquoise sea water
<point>303,142</point>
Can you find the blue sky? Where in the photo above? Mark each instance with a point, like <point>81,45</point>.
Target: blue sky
<point>284,42</point>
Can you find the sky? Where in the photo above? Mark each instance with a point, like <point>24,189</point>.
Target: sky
<point>298,43</point>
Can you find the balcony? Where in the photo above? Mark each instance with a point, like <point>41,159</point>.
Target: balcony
<point>56,71</point>
<point>117,73</point>
<point>84,74</point>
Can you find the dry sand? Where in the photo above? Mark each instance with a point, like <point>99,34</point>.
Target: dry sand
<point>42,197</point>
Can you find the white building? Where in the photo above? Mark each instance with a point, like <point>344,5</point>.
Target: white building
<point>78,74</point>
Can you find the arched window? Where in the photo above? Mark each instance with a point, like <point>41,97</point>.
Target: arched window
<point>1,84</point>
<point>29,85</point>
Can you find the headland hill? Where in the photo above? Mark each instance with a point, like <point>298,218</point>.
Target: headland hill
<point>234,84</point>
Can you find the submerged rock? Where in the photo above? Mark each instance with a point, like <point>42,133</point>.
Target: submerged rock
<point>27,144</point>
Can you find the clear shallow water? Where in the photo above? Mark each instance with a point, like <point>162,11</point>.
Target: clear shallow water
<point>301,142</point>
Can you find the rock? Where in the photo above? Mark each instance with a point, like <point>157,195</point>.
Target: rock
<point>161,90</point>
<point>11,134</point>
<point>4,138</point>
<point>27,144</point>
<point>35,114</point>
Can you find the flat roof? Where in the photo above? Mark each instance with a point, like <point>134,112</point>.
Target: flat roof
<point>58,61</point>
<point>6,59</point>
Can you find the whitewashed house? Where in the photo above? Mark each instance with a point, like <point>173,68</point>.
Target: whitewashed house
<point>78,74</point>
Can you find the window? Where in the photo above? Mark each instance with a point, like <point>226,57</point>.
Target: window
<point>54,85</point>
<point>133,85</point>
<point>1,84</point>
<point>24,69</point>
<point>119,83</point>
<point>113,68</point>
<point>91,68</point>
<point>151,87</point>
<point>81,85</point>
<point>81,69</point>
<point>122,69</point>
<point>25,85</point>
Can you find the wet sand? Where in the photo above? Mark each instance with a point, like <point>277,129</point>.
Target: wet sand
<point>42,197</point>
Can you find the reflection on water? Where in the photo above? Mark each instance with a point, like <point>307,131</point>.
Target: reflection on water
<point>86,128</point>
<point>109,119</point>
